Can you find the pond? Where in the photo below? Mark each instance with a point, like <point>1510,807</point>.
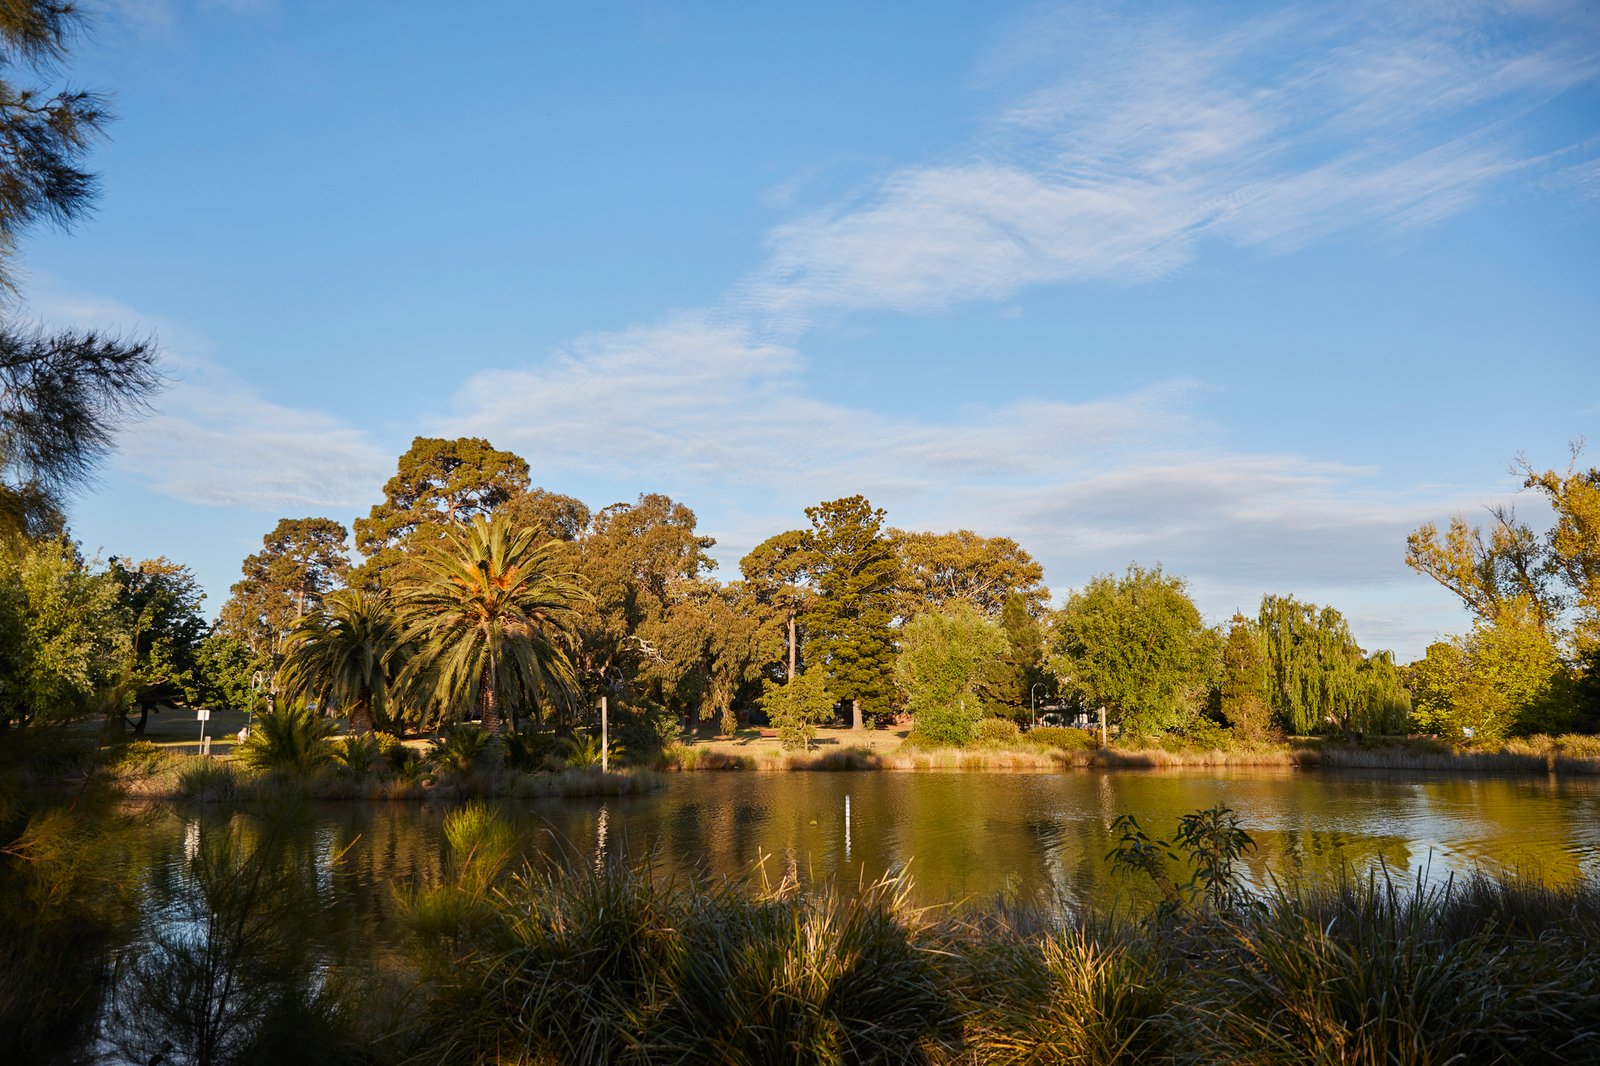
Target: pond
<point>976,837</point>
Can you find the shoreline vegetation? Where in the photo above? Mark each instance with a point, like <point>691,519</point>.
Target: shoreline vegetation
<point>368,771</point>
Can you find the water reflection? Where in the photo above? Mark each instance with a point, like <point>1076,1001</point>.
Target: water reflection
<point>971,837</point>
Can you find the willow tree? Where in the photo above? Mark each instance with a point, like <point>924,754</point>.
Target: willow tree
<point>491,621</point>
<point>1320,675</point>
<point>350,652</point>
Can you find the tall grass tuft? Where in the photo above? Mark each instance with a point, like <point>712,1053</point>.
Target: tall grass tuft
<point>1370,973</point>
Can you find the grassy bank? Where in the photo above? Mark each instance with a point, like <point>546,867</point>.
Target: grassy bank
<point>1566,755</point>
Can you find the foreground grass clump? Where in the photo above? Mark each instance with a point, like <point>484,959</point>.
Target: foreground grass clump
<point>592,963</point>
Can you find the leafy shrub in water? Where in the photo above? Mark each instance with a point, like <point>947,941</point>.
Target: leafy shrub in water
<point>607,964</point>
<point>583,749</point>
<point>529,748</point>
<point>292,740</point>
<point>1201,734</point>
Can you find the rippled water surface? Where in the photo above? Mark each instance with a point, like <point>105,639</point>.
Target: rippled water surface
<point>976,836</point>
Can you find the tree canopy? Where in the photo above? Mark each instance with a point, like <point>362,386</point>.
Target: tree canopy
<point>437,483</point>
<point>300,562</point>
<point>1136,645</point>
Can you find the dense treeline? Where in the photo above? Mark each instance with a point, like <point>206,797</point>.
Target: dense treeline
<point>873,623</point>
<point>481,596</point>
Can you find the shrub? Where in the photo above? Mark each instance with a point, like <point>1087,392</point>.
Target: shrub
<point>359,754</point>
<point>291,740</point>
<point>1057,738</point>
<point>1201,734</point>
<point>459,750</point>
<point>583,749</point>
<point>528,748</point>
<point>996,733</point>
<point>207,781</point>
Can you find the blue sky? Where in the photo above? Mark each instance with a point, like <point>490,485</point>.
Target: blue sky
<point>1247,290</point>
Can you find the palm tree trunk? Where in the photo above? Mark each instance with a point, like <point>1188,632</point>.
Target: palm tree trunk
<point>361,714</point>
<point>489,715</point>
<point>489,706</point>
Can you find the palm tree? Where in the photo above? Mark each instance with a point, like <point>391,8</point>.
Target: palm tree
<point>351,651</point>
<point>491,618</point>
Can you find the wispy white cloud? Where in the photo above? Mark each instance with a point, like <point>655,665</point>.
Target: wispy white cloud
<point>1147,133</point>
<point>213,438</point>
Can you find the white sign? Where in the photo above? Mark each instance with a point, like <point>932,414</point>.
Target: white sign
<point>204,715</point>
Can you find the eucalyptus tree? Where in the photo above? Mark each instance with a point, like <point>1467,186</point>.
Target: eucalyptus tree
<point>777,578</point>
<point>350,652</point>
<point>638,561</point>
<point>490,618</point>
<point>938,569</point>
<point>300,562</point>
<point>438,483</point>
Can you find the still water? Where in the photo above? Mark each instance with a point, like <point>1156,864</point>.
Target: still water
<point>976,837</point>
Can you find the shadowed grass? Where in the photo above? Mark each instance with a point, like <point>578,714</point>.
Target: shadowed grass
<point>574,963</point>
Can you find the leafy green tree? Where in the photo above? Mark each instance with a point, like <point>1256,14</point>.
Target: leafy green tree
<point>1572,543</point>
<point>951,668</point>
<point>938,569</point>
<point>438,483</point>
<point>550,515</point>
<point>1504,678</point>
<point>637,561</point>
<point>855,570</point>
<point>713,643</point>
<point>796,707</point>
<point>1137,646</point>
<point>226,668</point>
<point>66,639</point>
<point>1246,685</point>
<point>62,394</point>
<point>162,601</point>
<point>300,562</point>
<point>350,652</point>
<point>1551,579</point>
<point>490,623</point>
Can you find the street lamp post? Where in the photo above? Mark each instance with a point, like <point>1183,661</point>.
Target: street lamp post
<point>1033,705</point>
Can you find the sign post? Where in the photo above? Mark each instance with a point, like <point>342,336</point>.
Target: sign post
<point>605,747</point>
<point>204,714</point>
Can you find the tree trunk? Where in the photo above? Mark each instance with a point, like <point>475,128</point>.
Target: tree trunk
<point>855,714</point>
<point>361,715</point>
<point>489,708</point>
<point>791,646</point>
<point>494,753</point>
